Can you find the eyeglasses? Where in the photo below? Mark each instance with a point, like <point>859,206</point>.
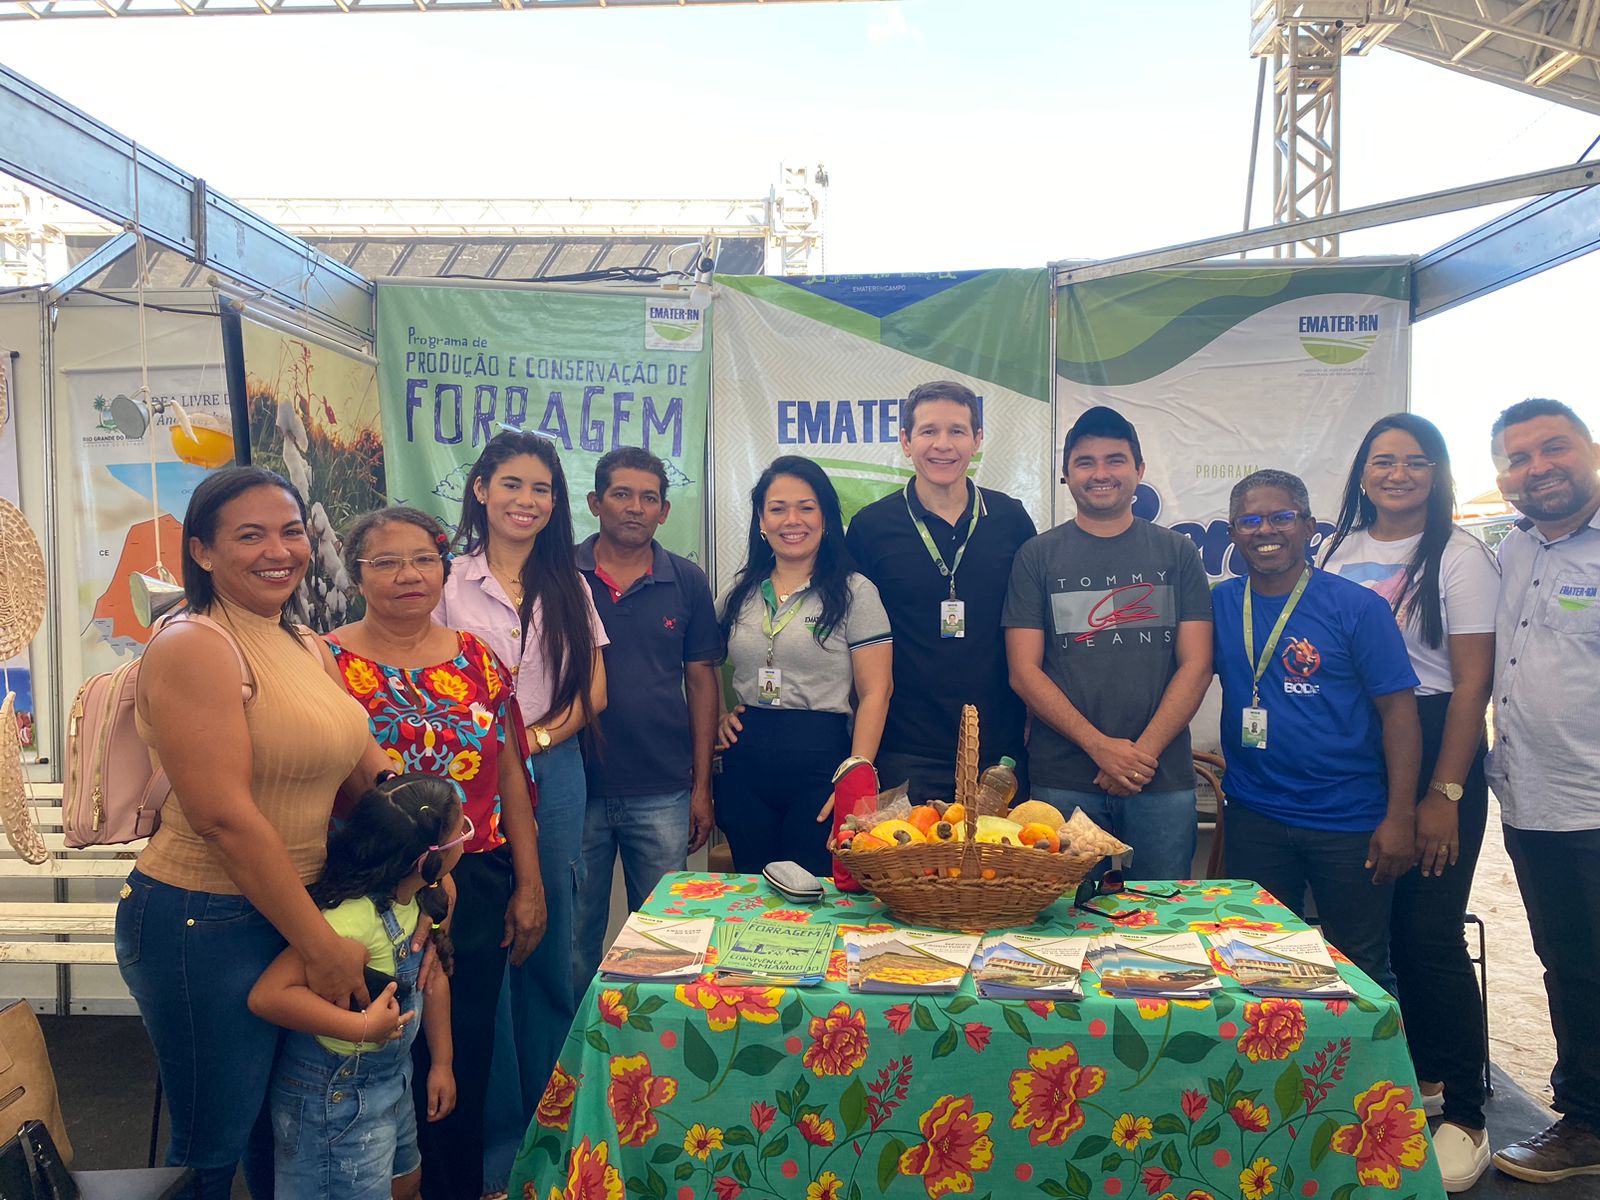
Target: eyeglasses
<point>465,836</point>
<point>390,564</point>
<point>1280,521</point>
<point>1414,464</point>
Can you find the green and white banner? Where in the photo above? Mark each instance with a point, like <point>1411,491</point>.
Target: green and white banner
<point>1225,370</point>
<point>589,371</point>
<point>819,367</point>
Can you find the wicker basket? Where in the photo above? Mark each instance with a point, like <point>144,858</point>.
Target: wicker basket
<point>965,885</point>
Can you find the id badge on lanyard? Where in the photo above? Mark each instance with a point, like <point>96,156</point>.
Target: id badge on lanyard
<point>952,612</point>
<point>769,679</point>
<point>953,619</point>
<point>1253,720</point>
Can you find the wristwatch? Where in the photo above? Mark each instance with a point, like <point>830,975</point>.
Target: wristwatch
<point>541,739</point>
<point>1452,791</point>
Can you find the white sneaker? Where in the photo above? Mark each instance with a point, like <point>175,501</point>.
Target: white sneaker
<point>1462,1161</point>
<point>1432,1104</point>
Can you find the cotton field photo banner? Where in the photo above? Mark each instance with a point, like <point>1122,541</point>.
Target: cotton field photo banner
<point>313,418</point>
<point>590,371</point>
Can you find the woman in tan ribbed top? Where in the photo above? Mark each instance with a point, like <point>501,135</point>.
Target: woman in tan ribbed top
<point>221,886</point>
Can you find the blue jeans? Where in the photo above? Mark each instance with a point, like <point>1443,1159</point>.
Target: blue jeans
<point>652,835</point>
<point>536,1010</point>
<point>1286,859</point>
<point>343,1125</point>
<point>1160,826</point>
<point>190,960</point>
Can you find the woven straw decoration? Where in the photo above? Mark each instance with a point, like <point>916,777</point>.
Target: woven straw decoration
<point>14,815</point>
<point>967,758</point>
<point>21,581</point>
<point>21,611</point>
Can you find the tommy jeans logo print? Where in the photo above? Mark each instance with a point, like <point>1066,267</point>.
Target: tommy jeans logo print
<point>1114,610</point>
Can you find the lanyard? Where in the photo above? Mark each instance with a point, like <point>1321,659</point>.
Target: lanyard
<point>769,609</point>
<point>948,570</point>
<point>1272,638</point>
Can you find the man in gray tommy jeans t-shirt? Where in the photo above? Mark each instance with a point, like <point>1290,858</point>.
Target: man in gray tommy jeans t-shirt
<point>1108,637</point>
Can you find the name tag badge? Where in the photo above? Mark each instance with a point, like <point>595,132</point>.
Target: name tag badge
<point>1253,733</point>
<point>953,619</point>
<point>769,687</point>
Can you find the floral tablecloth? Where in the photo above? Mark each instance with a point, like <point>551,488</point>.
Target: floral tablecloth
<point>697,1090</point>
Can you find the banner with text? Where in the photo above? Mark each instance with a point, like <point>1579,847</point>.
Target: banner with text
<point>124,506</point>
<point>819,367</point>
<point>1226,370</point>
<point>591,372</point>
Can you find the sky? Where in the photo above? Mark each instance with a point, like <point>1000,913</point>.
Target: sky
<point>956,134</point>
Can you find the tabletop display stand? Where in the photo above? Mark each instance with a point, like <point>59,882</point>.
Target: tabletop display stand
<point>700,1090</point>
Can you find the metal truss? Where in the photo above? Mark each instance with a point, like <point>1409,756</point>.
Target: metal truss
<point>41,10</point>
<point>57,148</point>
<point>1305,40</point>
<point>1392,212</point>
<point>795,216</point>
<point>1546,48</point>
<point>357,217</point>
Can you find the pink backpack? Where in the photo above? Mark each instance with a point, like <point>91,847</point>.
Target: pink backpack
<point>114,793</point>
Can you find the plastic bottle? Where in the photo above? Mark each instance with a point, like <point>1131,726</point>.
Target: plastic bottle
<point>997,786</point>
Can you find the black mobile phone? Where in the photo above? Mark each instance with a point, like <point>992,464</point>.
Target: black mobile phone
<point>376,981</point>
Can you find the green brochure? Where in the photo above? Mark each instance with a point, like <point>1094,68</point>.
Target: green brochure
<point>776,952</point>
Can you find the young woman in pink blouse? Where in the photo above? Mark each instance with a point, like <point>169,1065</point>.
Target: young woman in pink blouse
<point>516,585</point>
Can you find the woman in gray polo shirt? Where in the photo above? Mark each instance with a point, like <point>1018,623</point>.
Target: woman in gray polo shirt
<point>802,629</point>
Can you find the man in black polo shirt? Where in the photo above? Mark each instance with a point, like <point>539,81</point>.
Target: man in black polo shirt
<point>940,553</point>
<point>650,774</point>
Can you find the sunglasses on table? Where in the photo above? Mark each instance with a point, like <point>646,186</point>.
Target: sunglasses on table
<point>1097,895</point>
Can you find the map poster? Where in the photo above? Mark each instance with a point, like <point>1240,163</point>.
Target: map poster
<point>314,420</point>
<point>123,508</point>
<point>586,370</point>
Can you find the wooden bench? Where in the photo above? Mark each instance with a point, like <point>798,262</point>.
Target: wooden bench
<point>61,930</point>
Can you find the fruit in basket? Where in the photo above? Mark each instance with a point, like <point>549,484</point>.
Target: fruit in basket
<point>865,841</point>
<point>999,831</point>
<point>924,817</point>
<point>945,831</point>
<point>1037,811</point>
<point>1040,836</point>
<point>955,813</point>
<point>897,832</point>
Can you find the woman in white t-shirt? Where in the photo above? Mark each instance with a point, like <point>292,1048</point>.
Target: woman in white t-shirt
<point>1396,536</point>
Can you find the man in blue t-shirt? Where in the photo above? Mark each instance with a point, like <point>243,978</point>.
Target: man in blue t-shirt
<point>1319,726</point>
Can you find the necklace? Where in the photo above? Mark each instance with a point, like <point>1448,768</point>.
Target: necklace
<point>783,596</point>
<point>513,588</point>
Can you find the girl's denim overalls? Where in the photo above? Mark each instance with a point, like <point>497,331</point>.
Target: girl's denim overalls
<point>344,1126</point>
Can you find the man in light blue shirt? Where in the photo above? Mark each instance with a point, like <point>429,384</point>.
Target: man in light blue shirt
<point>1545,767</point>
